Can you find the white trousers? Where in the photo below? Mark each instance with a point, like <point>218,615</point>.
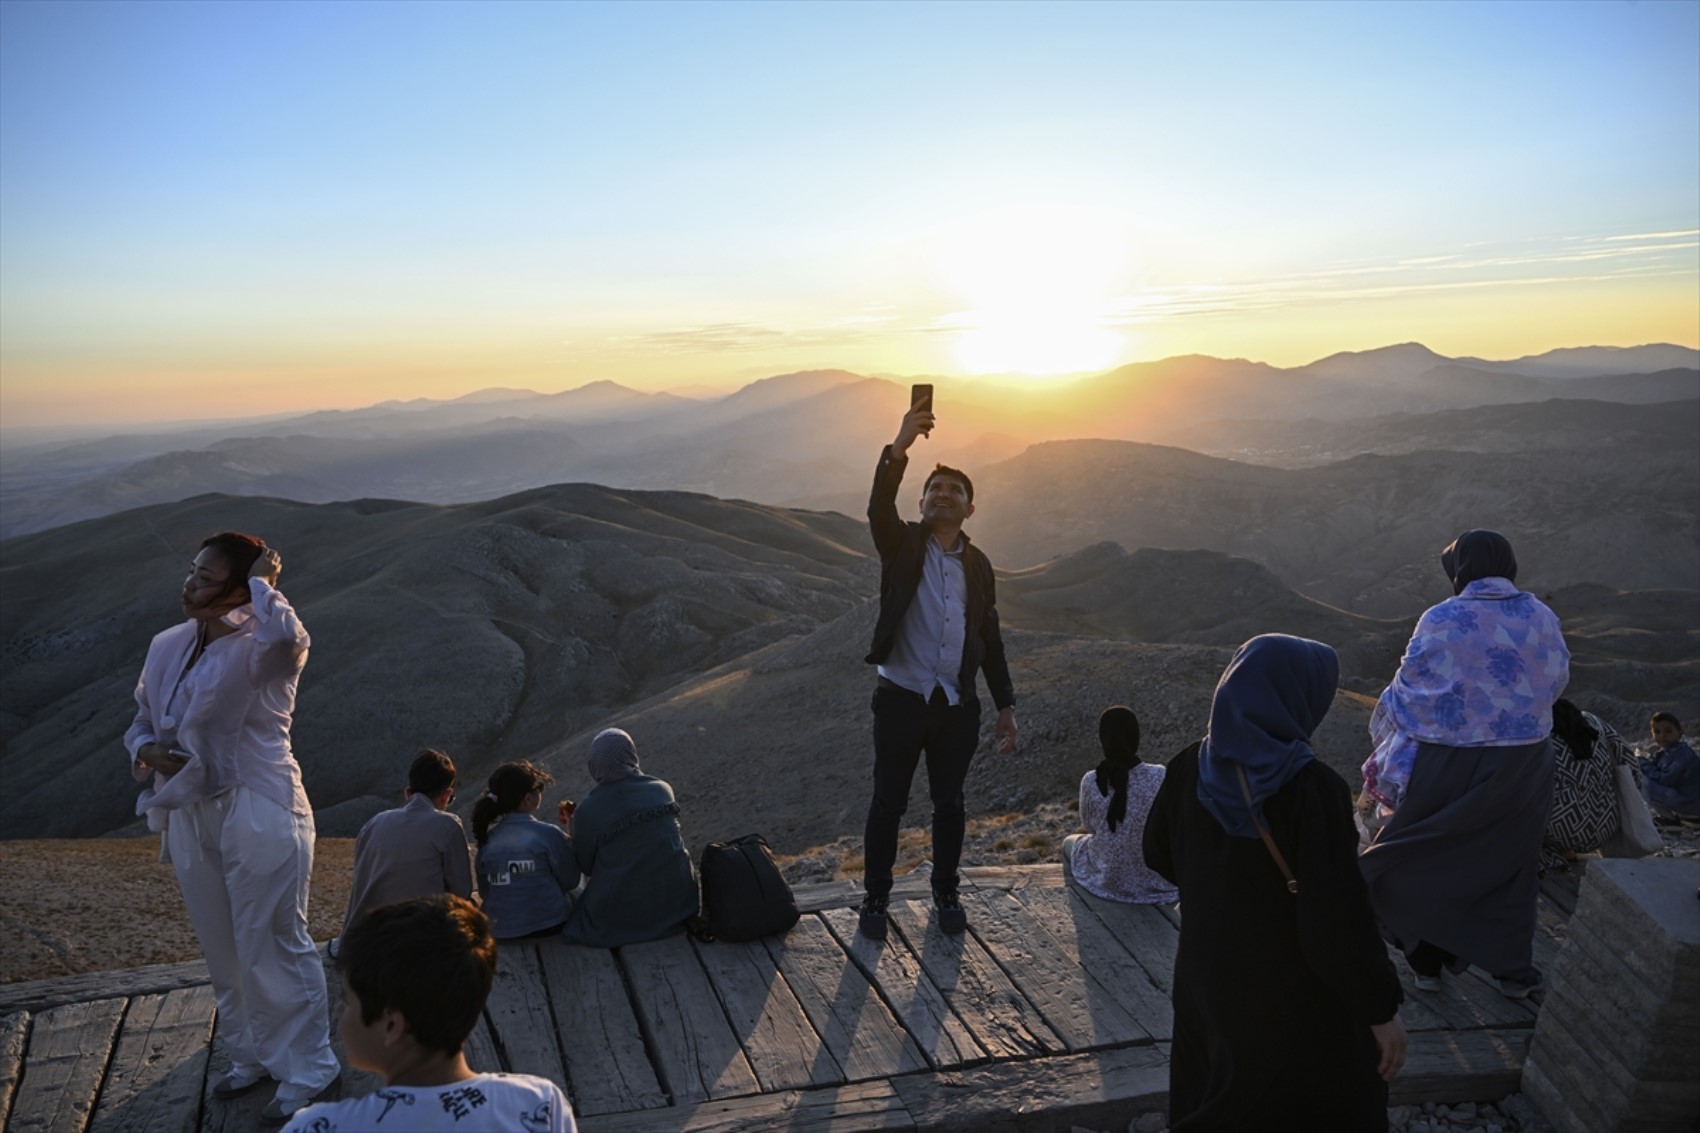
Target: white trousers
<point>244,863</point>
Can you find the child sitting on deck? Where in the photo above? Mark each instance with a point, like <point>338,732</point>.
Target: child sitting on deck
<point>526,869</point>
<point>1108,860</point>
<point>415,975</point>
<point>1671,779</point>
<point>416,850</point>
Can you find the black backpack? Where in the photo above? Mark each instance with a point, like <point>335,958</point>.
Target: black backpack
<point>743,895</point>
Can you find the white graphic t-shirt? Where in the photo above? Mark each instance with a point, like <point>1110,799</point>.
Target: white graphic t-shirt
<point>484,1103</point>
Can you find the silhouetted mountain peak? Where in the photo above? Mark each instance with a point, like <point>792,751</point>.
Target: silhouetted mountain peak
<point>1399,362</point>
<point>494,393</point>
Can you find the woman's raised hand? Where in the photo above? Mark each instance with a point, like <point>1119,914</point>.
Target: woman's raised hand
<point>268,566</point>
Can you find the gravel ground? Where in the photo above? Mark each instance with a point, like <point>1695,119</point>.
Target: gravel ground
<point>97,904</point>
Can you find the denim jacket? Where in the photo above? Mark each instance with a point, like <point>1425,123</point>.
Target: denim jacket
<point>526,875</point>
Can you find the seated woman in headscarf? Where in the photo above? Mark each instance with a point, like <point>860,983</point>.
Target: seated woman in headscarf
<point>1462,773</point>
<point>1286,1004</point>
<point>1586,752</point>
<point>640,884</point>
<point>1109,859</point>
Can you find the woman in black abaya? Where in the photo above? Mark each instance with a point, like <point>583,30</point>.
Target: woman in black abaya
<point>1286,1004</point>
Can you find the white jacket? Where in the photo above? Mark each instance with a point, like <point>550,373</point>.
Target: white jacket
<point>231,711</point>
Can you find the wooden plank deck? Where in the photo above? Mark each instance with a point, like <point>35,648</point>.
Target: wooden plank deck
<point>1051,1011</point>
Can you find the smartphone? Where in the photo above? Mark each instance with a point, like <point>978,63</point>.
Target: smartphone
<point>921,396</point>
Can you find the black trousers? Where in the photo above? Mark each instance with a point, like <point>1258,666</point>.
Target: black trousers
<point>905,726</point>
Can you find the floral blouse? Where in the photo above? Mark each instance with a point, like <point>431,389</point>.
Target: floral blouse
<point>1112,865</point>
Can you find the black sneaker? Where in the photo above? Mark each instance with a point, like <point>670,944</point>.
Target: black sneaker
<point>277,1112</point>
<point>952,919</point>
<point>1520,986</point>
<point>872,917</point>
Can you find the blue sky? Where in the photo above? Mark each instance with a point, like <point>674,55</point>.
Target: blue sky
<point>212,208</point>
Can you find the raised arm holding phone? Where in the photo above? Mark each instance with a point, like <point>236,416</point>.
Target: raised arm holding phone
<point>937,629</point>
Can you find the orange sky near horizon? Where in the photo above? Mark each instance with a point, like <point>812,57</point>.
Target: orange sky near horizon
<point>217,211</point>
<point>219,380</point>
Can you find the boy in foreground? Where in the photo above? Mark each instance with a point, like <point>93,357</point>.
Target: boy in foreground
<point>414,979</point>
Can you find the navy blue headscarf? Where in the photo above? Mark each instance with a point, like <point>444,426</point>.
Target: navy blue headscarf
<point>1478,554</point>
<point>1271,698</point>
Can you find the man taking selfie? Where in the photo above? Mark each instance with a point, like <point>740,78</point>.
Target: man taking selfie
<point>938,627</point>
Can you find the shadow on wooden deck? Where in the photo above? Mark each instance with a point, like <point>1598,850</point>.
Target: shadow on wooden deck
<point>1052,1011</point>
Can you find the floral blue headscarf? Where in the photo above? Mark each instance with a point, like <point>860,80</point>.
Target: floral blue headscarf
<point>1482,669</point>
<point>1269,701</point>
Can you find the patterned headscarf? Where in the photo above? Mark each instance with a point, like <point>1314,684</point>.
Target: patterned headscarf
<point>1268,703</point>
<point>1482,669</point>
<point>613,756</point>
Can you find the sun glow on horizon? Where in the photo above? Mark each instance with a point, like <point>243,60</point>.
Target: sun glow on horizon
<point>1036,283</point>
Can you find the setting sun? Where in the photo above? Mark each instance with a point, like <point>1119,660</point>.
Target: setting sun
<point>1036,283</point>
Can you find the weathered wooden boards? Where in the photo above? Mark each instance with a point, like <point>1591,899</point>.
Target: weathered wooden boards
<point>561,1012</point>
<point>1054,1002</point>
<point>480,1049</point>
<point>1079,1006</point>
<point>846,1012</point>
<point>606,1062</point>
<point>859,1107</point>
<point>1098,1089</point>
<point>159,1066</point>
<point>940,1036</point>
<point>13,1029</point>
<point>771,1026</point>
<point>1001,1019</point>
<point>518,1012</point>
<point>64,1063</point>
<point>1082,936</point>
<point>1461,1066</point>
<point>697,1057</point>
<point>39,995</point>
<point>1148,935</point>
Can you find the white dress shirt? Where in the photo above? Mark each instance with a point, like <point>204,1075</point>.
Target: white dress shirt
<point>928,651</point>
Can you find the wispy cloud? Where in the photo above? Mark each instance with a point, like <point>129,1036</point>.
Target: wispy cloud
<point>1546,262</point>
<point>709,337</point>
<point>1657,235</point>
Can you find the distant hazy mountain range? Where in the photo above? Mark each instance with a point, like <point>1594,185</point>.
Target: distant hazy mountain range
<point>728,635</point>
<point>797,439</point>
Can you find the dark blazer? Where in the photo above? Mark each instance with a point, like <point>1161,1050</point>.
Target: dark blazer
<point>902,549</point>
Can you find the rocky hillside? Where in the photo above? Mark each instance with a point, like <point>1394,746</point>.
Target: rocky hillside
<point>488,629</point>
<point>1363,534</point>
<point>726,636</point>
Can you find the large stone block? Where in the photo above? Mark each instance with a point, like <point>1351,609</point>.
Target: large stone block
<point>1616,1042</point>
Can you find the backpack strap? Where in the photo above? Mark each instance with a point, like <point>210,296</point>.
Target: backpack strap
<point>1263,832</point>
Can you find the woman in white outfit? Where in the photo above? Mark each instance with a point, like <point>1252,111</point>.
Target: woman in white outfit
<point>212,729</point>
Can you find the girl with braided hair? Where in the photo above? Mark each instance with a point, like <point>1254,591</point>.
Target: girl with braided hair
<point>1108,859</point>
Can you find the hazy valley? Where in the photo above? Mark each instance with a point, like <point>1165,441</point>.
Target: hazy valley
<point>803,439</point>
<point>728,635</point>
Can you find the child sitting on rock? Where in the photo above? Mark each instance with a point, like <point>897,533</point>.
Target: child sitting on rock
<point>1671,779</point>
<point>415,975</point>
